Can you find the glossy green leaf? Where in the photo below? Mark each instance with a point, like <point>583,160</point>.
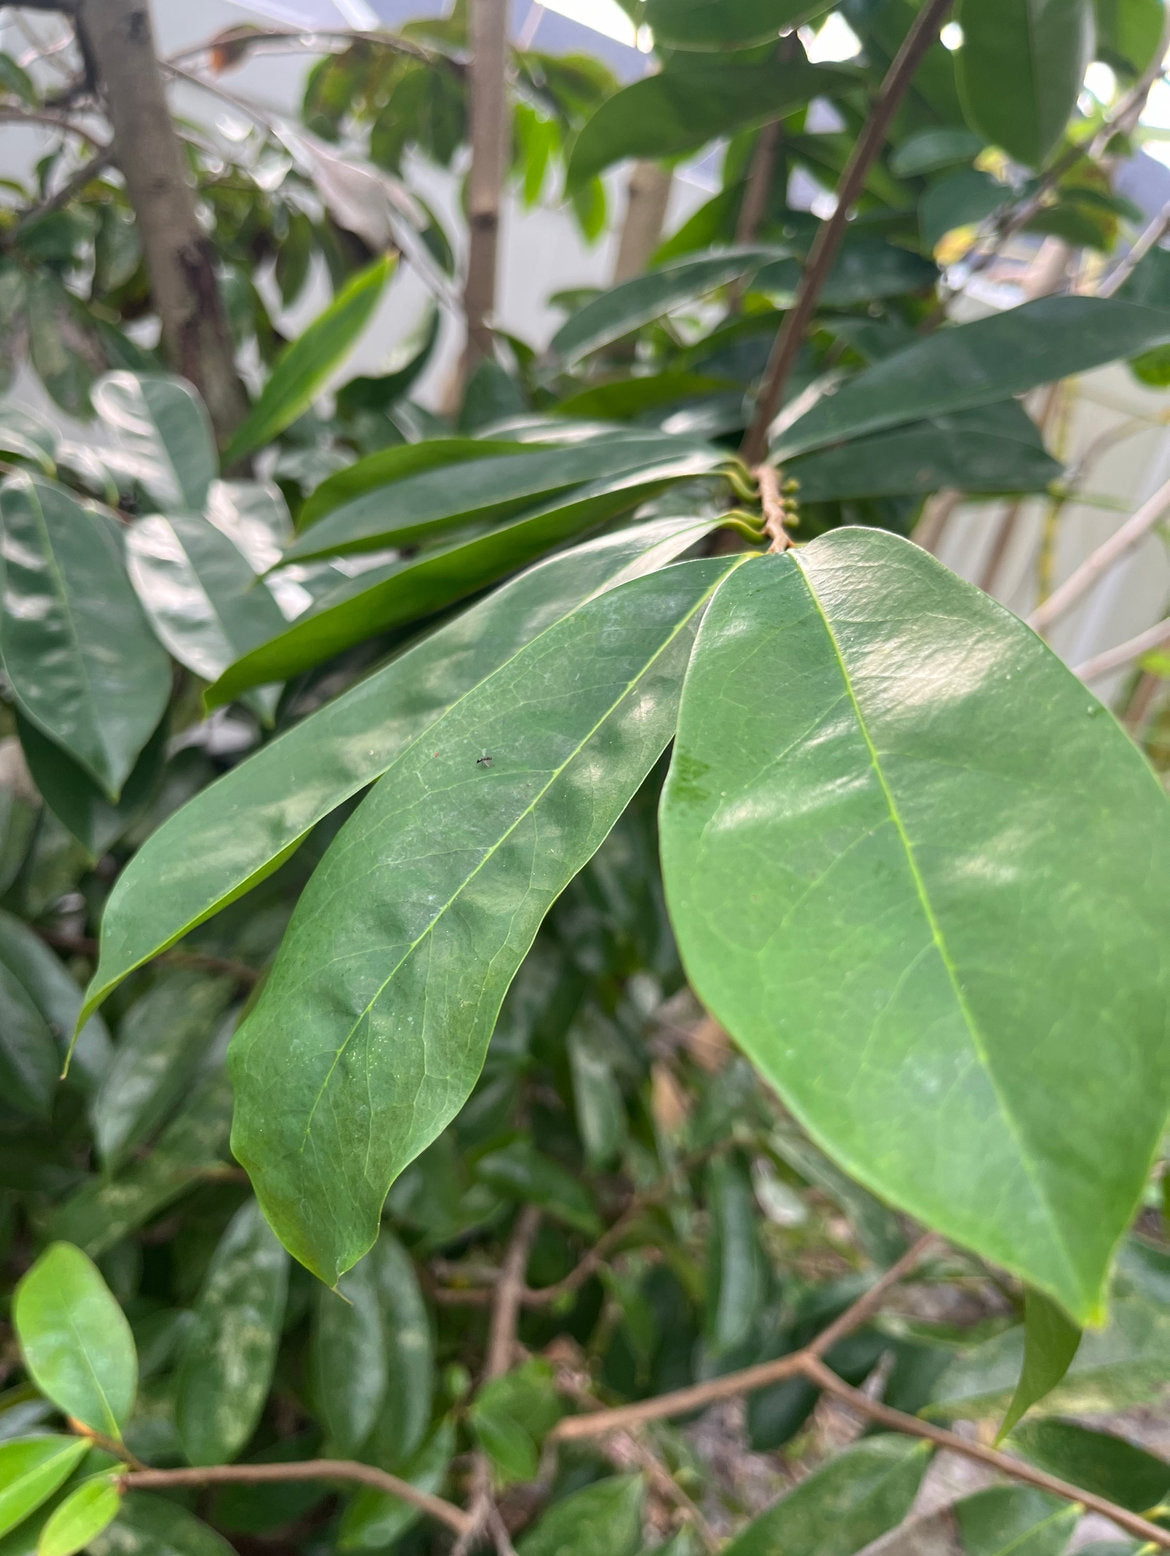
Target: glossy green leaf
<point>75,1339</point>
<point>929,150</point>
<point>425,506</point>
<point>1021,68</point>
<point>31,1469</point>
<point>694,101</point>
<point>105,1210</point>
<point>1126,1363</point>
<point>841,1507</point>
<point>733,24</point>
<point>156,1526</point>
<point>83,663</point>
<point>348,1358</point>
<point>963,198</point>
<point>162,1041</point>
<point>29,1058</point>
<point>511,1416</point>
<point>1097,1461</point>
<point>866,270</point>
<point>162,423</point>
<point>408,591</point>
<point>306,364</point>
<point>1050,1343</point>
<point>78,801</point>
<point>604,1519</point>
<point>205,856</point>
<point>1128,32</point>
<point>410,1349</point>
<point>1014,1521</point>
<point>200,591</point>
<point>737,1272</point>
<point>386,466</point>
<point>521,1171</point>
<point>346,1069</point>
<point>81,1517</point>
<point>51,317</point>
<point>624,308</point>
<point>373,1521</point>
<point>230,1350</point>
<point>848,852</point>
<point>978,364</point>
<point>994,448</point>
<point>597,1099</point>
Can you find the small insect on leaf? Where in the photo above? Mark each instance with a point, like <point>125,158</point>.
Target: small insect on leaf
<point>483,761</point>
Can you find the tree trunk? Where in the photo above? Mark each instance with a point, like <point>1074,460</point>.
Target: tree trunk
<point>647,196</point>
<point>119,40</point>
<point>488,84</point>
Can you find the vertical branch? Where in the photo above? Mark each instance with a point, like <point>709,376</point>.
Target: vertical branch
<point>647,196</point>
<point>488,87</point>
<point>828,240</point>
<point>761,172</point>
<point>118,38</point>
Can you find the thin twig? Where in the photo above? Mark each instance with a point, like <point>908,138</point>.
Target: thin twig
<point>72,186</point>
<point>746,1381</point>
<point>830,234</point>
<point>53,121</point>
<point>1125,267</point>
<point>311,1469</point>
<point>898,1421</point>
<point>243,39</point>
<point>1125,653</point>
<point>1093,567</point>
<point>198,961</point>
<point>772,502</point>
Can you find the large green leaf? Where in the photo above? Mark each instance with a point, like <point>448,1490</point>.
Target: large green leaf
<point>200,591</point>
<point>1050,1343</point>
<point>1127,1363</point>
<point>156,1526</point>
<point>230,1351</point>
<point>693,101</point>
<point>75,1339</point>
<point>31,1469</point>
<point>407,591</point>
<point>1128,32</point>
<point>627,307</point>
<point>347,1067</point>
<point>29,1059</point>
<point>410,1349</point>
<point>1014,1521</point>
<point>82,661</point>
<point>994,448</point>
<point>1021,68</point>
<point>236,831</point>
<point>424,506</point>
<point>865,839</point>
<point>732,24</point>
<point>979,364</point>
<point>348,1357</point>
<point>844,1505</point>
<point>388,465</point>
<point>81,1517</point>
<point>305,365</point>
<point>167,436</point>
<point>1097,1461</point>
<point>161,1043</point>
<point>26,957</point>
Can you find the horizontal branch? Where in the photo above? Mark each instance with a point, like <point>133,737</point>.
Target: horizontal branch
<point>52,121</point>
<point>311,1469</point>
<point>1095,566</point>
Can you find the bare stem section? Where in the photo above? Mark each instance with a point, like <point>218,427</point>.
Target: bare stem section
<point>488,91</point>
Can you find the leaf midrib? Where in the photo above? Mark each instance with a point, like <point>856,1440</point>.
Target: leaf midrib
<point>553,778</point>
<point>978,1042</point>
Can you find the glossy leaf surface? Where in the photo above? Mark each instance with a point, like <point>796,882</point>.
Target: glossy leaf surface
<point>1014,1521</point>
<point>253,816</point>
<point>1020,70</point>
<point>155,1526</point>
<point>29,1059</point>
<point>76,1342</point>
<point>871,882</point>
<point>84,665</point>
<point>1096,1461</point>
<point>81,1517</point>
<point>387,466</point>
<point>166,433</point>
<point>346,1068</point>
<point>841,1507</point>
<point>978,364</point>
<point>305,365</point>
<point>31,1469</point>
<point>227,1363</point>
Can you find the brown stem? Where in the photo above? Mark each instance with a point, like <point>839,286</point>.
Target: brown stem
<point>830,234</point>
<point>732,1384</point>
<point>488,94</point>
<point>772,503</point>
<point>311,1469</point>
<point>647,196</point>
<point>118,37</point>
<point>761,171</point>
<point>85,945</point>
<point>825,1378</point>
